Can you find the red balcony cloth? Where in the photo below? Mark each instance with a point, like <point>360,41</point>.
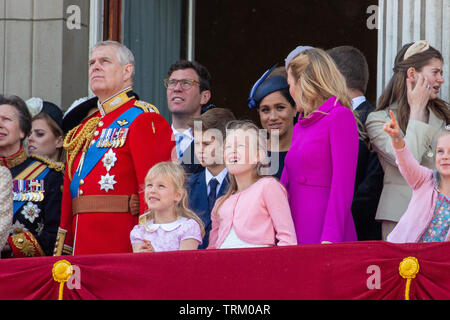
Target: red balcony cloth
<point>283,273</point>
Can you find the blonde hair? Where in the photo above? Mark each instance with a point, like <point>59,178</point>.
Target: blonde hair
<point>443,133</point>
<point>245,125</point>
<point>177,176</point>
<point>319,79</point>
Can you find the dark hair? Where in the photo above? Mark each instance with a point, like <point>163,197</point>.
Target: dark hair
<point>397,90</point>
<point>202,72</point>
<point>22,109</point>
<point>285,93</point>
<point>352,63</point>
<point>216,118</point>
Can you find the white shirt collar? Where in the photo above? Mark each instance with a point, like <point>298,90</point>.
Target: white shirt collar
<point>187,138</point>
<point>356,102</point>
<point>187,132</point>
<point>220,177</point>
<point>152,227</point>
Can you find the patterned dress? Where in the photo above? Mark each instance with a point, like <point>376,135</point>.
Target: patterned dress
<point>439,226</point>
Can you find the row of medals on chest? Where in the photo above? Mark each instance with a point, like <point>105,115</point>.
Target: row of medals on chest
<point>28,190</point>
<point>112,138</point>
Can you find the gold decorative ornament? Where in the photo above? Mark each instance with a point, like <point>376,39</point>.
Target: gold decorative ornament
<point>61,272</point>
<point>409,268</point>
<point>74,143</point>
<point>55,165</point>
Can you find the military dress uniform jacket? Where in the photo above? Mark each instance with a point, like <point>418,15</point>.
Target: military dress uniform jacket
<point>103,186</point>
<point>37,197</point>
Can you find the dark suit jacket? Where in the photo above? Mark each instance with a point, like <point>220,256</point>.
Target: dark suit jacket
<point>198,200</point>
<point>189,161</point>
<point>368,186</point>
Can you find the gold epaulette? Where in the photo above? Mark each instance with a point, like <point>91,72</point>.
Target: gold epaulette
<point>146,107</point>
<point>55,165</point>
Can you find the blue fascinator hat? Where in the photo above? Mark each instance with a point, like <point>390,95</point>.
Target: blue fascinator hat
<point>265,86</point>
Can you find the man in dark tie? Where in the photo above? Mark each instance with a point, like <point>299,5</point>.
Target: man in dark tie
<point>369,174</point>
<point>212,182</point>
<point>188,89</point>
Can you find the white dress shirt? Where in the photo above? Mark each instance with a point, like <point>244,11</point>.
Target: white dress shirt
<point>356,102</point>
<point>187,138</point>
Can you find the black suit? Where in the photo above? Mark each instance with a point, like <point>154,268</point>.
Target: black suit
<point>368,186</point>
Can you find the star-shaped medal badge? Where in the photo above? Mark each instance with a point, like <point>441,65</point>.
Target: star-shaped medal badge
<point>107,182</point>
<point>31,212</point>
<point>109,160</point>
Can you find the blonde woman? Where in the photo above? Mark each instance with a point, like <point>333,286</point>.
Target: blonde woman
<point>169,225</point>
<point>320,167</point>
<point>6,205</point>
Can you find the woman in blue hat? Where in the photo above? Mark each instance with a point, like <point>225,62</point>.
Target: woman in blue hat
<point>276,109</point>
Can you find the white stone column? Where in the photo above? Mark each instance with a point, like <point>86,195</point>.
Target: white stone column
<point>40,56</point>
<point>405,21</point>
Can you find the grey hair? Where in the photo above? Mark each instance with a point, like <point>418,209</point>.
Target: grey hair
<point>124,55</point>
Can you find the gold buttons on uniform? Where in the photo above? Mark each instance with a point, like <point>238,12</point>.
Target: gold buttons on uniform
<point>81,182</point>
<point>80,193</point>
<point>101,124</point>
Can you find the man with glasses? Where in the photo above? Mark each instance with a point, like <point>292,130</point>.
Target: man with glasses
<point>188,90</point>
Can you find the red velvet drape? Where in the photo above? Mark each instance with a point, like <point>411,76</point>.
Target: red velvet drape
<point>323,272</point>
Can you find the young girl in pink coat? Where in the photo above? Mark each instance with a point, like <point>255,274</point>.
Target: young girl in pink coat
<point>427,218</point>
<point>255,212</point>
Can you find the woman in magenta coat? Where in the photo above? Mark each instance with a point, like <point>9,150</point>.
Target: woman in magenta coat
<point>320,167</point>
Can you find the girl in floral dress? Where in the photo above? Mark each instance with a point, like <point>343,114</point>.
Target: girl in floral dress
<point>169,225</point>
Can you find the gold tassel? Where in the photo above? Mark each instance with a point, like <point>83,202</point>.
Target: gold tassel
<point>409,268</point>
<point>62,271</point>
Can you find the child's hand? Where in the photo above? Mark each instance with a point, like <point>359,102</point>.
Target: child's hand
<point>147,246</point>
<point>143,247</point>
<point>392,129</point>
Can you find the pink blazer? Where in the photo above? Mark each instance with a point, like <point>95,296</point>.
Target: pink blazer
<point>420,211</point>
<point>260,215</point>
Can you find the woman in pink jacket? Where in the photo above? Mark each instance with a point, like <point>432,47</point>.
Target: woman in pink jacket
<point>427,218</point>
<point>320,167</point>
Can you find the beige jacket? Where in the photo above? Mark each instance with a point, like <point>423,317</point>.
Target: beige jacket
<point>6,205</point>
<point>421,139</point>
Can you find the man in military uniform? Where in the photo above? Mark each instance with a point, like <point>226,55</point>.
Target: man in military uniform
<point>108,156</point>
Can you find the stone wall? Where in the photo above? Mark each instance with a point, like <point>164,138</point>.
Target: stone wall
<point>44,49</point>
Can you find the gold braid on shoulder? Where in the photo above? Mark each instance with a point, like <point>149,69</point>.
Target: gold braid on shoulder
<point>55,165</point>
<point>73,142</point>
